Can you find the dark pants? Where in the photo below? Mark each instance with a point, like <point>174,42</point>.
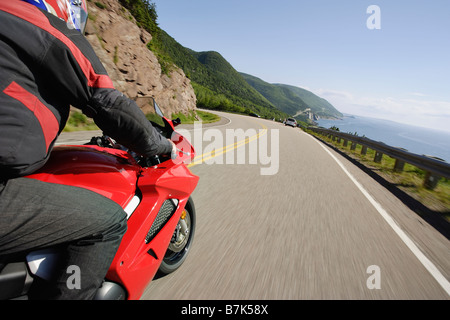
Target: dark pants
<point>35,214</point>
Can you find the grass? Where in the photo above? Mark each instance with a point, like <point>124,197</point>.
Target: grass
<point>79,122</point>
<point>410,180</point>
<point>194,116</point>
<point>207,117</point>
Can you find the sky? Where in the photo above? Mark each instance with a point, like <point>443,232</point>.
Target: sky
<point>391,61</point>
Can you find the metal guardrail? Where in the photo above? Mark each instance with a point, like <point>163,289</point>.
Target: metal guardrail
<point>435,167</point>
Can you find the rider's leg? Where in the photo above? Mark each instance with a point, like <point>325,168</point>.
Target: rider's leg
<point>37,214</point>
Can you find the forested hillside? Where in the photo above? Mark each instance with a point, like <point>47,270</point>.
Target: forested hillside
<point>217,84</point>
<point>293,100</point>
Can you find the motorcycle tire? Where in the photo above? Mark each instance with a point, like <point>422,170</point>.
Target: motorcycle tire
<point>174,259</point>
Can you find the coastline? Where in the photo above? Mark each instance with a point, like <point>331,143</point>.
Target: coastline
<point>419,140</point>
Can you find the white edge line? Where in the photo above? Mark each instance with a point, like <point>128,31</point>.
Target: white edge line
<point>444,283</point>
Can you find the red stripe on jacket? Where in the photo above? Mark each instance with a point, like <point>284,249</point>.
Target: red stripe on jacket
<point>46,118</point>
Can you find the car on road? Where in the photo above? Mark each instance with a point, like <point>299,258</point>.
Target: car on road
<point>291,122</point>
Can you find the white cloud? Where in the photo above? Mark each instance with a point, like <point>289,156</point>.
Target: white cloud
<point>420,110</point>
<point>418,94</point>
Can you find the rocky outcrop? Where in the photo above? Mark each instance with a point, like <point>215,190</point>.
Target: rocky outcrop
<point>134,69</point>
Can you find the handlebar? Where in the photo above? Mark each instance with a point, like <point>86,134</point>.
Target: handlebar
<point>108,142</point>
<point>168,131</point>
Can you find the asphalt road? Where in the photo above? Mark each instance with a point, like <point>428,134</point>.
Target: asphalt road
<point>314,226</point>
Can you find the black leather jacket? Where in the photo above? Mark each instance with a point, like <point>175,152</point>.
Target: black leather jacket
<point>44,69</point>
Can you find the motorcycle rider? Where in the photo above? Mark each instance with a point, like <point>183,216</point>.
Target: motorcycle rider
<point>47,65</point>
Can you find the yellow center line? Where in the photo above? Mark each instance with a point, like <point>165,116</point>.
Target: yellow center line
<point>215,153</point>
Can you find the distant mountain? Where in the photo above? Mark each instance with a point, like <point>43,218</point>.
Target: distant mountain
<point>213,75</point>
<point>318,105</point>
<point>224,79</point>
<point>293,100</point>
<point>216,83</point>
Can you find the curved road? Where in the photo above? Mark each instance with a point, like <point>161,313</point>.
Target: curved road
<point>313,227</point>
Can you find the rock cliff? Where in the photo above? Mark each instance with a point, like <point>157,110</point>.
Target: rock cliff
<point>134,69</point>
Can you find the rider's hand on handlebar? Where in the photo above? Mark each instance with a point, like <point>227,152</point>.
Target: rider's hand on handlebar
<point>173,153</point>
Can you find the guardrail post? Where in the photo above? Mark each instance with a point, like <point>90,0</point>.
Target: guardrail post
<point>431,181</point>
<point>435,170</point>
<point>353,146</point>
<point>364,150</point>
<point>378,157</point>
<point>399,165</point>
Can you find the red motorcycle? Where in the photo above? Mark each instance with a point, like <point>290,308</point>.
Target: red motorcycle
<point>154,192</point>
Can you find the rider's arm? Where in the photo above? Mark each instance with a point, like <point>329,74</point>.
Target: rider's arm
<point>81,80</point>
<point>120,118</point>
<point>117,115</point>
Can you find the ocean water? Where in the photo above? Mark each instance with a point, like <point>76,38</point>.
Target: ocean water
<point>417,140</point>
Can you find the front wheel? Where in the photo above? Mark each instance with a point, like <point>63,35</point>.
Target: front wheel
<point>181,241</point>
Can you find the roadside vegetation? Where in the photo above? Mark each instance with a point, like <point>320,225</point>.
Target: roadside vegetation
<point>79,122</point>
<point>410,180</point>
<point>190,118</point>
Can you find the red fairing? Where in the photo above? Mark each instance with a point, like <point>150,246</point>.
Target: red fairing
<point>109,172</point>
<point>133,265</point>
<point>116,175</point>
